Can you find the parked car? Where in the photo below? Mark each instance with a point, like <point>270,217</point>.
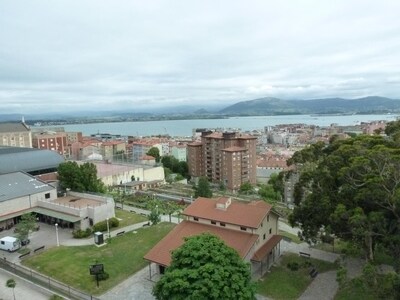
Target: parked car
<point>10,243</point>
<point>25,242</point>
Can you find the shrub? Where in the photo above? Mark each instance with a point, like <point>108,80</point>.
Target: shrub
<point>80,234</point>
<point>293,265</point>
<point>306,264</point>
<point>102,226</point>
<point>341,276</point>
<point>114,222</point>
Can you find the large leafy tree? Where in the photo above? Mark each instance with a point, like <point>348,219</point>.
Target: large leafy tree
<point>25,225</point>
<point>203,188</point>
<point>155,152</point>
<point>350,188</point>
<point>204,267</point>
<point>176,166</point>
<point>80,178</point>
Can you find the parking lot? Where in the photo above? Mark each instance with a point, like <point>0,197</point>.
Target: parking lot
<point>46,236</point>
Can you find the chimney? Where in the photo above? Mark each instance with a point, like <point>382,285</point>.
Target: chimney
<point>223,203</point>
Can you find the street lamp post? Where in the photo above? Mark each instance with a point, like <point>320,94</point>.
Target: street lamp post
<point>58,242</point>
<point>108,229</point>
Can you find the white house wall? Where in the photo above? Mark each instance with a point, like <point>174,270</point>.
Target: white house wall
<point>156,173</point>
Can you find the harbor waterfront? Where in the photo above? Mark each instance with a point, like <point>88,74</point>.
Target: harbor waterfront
<point>185,127</point>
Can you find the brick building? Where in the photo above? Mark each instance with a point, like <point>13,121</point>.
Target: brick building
<point>56,141</point>
<point>224,157</point>
<point>249,228</point>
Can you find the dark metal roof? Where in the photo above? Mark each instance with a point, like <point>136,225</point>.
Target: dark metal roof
<point>19,184</point>
<point>13,127</point>
<point>14,159</point>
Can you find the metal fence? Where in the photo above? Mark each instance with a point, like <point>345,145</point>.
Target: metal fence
<point>45,281</point>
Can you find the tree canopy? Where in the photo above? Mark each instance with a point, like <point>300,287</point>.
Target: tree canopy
<point>80,178</point>
<point>203,188</point>
<point>350,188</point>
<point>176,166</point>
<point>25,225</point>
<point>155,152</point>
<point>204,267</point>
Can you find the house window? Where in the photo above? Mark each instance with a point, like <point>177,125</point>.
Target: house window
<point>262,224</point>
<point>268,218</point>
<point>264,236</point>
<point>243,228</point>
<point>47,195</point>
<point>196,219</point>
<point>222,224</point>
<point>213,222</point>
<point>270,230</point>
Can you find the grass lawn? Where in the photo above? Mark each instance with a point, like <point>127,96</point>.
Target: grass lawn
<point>128,218</point>
<point>283,283</point>
<point>354,291</point>
<point>121,258</point>
<point>293,237</point>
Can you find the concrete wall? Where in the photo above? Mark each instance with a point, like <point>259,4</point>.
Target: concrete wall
<point>156,173</point>
<point>26,202</point>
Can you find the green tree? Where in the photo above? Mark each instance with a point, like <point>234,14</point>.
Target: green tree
<point>268,193</point>
<point>351,188</point>
<point>69,176</point>
<point>203,188</point>
<point>156,208</point>
<point>246,188</point>
<point>277,182</point>
<point>80,178</point>
<point>25,225</point>
<point>10,283</point>
<point>170,207</point>
<point>155,152</point>
<point>176,166</point>
<point>183,169</point>
<point>89,178</point>
<point>204,267</point>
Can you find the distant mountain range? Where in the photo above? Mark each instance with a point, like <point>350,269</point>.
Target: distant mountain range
<point>274,106</point>
<point>257,107</point>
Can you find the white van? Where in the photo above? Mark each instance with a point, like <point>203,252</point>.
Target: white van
<point>10,243</point>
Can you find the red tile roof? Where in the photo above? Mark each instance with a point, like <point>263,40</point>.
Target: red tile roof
<point>243,214</point>
<point>266,248</point>
<point>241,241</point>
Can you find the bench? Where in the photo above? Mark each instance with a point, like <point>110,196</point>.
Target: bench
<point>23,255</point>
<point>38,249</point>
<point>120,233</point>
<point>313,273</point>
<point>304,254</point>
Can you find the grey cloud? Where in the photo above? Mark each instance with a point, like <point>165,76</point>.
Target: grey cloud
<point>72,55</point>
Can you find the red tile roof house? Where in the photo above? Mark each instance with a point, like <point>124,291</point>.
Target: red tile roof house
<point>250,228</point>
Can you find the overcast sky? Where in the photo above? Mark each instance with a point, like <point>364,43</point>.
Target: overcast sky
<point>106,55</point>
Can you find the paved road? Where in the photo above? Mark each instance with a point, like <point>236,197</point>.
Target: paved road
<point>23,290</point>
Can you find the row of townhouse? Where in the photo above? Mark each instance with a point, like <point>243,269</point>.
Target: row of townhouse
<point>73,145</point>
